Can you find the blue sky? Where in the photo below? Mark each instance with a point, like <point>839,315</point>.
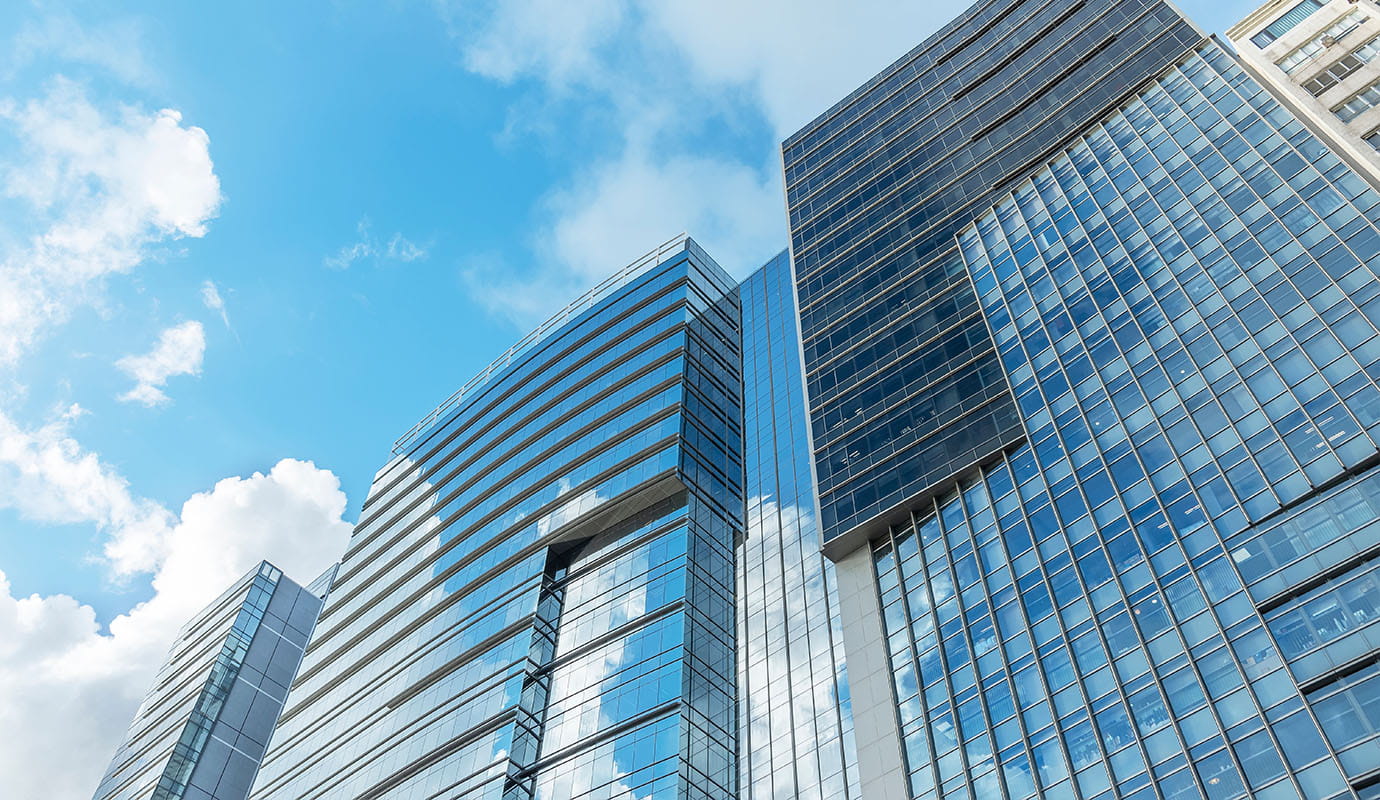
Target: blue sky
<point>243,246</point>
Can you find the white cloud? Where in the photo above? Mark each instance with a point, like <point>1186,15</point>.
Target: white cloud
<point>400,249</point>
<point>113,46</point>
<point>508,39</point>
<point>210,297</point>
<point>795,57</point>
<point>72,689</point>
<point>619,210</point>
<point>368,247</point>
<point>798,58</point>
<point>669,88</point>
<point>48,477</point>
<point>179,351</point>
<point>105,190</point>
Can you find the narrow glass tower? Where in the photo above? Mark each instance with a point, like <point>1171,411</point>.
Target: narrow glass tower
<point>796,729</point>
<point>203,727</point>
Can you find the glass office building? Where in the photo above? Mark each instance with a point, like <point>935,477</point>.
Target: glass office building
<point>202,729</point>
<point>1071,446</point>
<point>538,600</point>
<point>795,732</point>
<point>1161,582</point>
<point>593,573</point>
<point>905,387</point>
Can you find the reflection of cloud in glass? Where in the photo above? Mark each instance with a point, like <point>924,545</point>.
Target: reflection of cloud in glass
<point>771,526</point>
<point>588,674</point>
<point>571,509</point>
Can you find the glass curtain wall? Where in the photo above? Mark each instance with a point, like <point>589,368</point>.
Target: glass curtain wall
<point>1186,307</point>
<point>795,733</point>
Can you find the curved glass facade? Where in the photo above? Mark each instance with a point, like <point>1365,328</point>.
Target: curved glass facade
<point>538,598</point>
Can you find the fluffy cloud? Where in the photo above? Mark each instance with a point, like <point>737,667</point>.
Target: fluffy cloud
<point>104,191</point>
<point>179,351</point>
<point>797,58</point>
<point>48,477</point>
<point>794,58</point>
<point>368,247</point>
<point>508,39</point>
<point>93,192</point>
<point>71,689</point>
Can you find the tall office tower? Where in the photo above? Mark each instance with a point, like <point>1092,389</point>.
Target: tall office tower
<point>1090,335</point>
<point>202,728</point>
<point>538,600</point>
<point>796,733</point>
<point>1320,57</point>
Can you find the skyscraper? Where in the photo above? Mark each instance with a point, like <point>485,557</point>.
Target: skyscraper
<point>1089,328</point>
<point>1320,58</point>
<point>202,728</point>
<point>565,584</point>
<point>795,719</point>
<point>538,600</point>
<point>1090,335</point>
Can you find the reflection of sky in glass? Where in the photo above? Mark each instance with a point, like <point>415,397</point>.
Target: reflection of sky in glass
<point>795,725</point>
<point>1167,299</point>
<point>430,631</point>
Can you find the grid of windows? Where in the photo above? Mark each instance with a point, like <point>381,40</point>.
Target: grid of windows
<point>1313,539</point>
<point>202,729</point>
<point>1314,47</point>
<point>541,586</point>
<point>1185,310</point>
<point>1330,626</point>
<point>1349,712</point>
<point>1286,22</point>
<point>904,387</point>
<point>1039,658</point>
<point>1358,103</point>
<point>1345,66</point>
<point>795,721</point>
<point>226,668</point>
<point>1217,280</point>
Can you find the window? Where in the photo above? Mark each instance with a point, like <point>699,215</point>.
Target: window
<point>1349,711</point>
<point>1286,22</point>
<point>1359,103</point>
<point>1312,48</point>
<point>1343,68</point>
<point>1373,138</point>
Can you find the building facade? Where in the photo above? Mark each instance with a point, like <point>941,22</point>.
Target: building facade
<point>1046,464</point>
<point>538,600</point>
<point>1320,58</point>
<point>594,573</point>
<point>202,729</point>
<point>795,719</point>
<point>1152,573</point>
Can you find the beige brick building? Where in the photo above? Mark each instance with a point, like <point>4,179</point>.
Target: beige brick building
<point>1323,57</point>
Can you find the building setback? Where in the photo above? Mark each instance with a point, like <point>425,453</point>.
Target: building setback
<point>203,727</point>
<point>562,585</point>
<point>1090,331</point>
<point>1320,57</point>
